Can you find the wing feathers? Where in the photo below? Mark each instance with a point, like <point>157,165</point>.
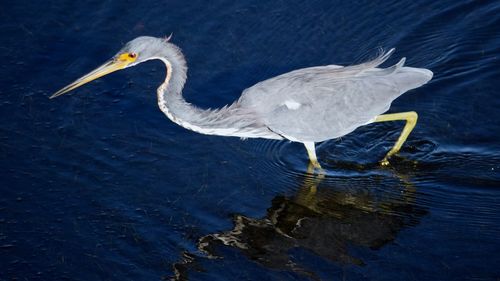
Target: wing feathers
<point>330,101</point>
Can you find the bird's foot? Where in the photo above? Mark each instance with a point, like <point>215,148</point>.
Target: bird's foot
<point>384,162</point>
<point>316,164</point>
<point>314,168</point>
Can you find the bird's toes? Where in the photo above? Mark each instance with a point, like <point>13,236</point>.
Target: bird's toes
<point>384,162</point>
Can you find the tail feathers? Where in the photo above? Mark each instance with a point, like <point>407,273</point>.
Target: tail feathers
<point>375,62</point>
<point>407,78</point>
<point>397,66</point>
<point>389,70</point>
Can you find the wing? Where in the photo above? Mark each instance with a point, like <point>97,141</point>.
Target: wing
<point>320,103</point>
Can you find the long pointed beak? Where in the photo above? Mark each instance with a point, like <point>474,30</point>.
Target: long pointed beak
<point>107,68</point>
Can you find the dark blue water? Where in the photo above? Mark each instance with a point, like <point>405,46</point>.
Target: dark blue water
<point>100,185</point>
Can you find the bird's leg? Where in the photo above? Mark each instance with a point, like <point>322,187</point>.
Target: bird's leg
<point>411,120</point>
<point>311,151</point>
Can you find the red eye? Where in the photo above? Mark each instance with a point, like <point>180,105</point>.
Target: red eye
<point>132,55</point>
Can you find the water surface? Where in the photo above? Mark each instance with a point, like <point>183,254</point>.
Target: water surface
<point>100,185</point>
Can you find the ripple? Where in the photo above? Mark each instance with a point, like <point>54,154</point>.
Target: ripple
<point>280,159</point>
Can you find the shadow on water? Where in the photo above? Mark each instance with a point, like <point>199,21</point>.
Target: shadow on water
<point>327,216</point>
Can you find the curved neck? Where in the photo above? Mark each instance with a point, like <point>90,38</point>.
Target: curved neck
<point>230,120</point>
<point>173,104</point>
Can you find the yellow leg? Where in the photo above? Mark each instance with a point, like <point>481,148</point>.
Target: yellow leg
<point>411,120</point>
<point>311,151</point>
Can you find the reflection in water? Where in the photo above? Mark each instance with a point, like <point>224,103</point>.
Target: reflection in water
<point>326,219</point>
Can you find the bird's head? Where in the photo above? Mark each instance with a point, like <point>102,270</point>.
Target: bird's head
<point>134,52</point>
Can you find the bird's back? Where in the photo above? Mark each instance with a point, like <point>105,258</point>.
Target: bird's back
<point>326,102</point>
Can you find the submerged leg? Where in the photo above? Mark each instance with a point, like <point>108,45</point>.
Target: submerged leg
<point>410,118</point>
<point>311,151</point>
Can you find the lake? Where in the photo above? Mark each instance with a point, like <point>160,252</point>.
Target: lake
<point>99,185</point>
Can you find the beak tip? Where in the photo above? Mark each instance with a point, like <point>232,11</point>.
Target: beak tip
<point>108,67</point>
<point>55,95</point>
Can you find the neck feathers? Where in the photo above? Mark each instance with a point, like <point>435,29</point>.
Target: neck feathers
<point>230,120</point>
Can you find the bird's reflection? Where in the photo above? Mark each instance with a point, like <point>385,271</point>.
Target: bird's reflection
<point>326,217</point>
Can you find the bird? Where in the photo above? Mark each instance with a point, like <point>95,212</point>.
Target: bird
<point>307,105</point>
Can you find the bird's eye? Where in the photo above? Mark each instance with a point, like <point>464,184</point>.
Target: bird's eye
<point>132,55</point>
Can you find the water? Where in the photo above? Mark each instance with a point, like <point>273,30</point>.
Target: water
<point>100,185</point>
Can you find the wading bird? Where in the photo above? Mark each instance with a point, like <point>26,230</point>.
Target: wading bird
<point>307,105</point>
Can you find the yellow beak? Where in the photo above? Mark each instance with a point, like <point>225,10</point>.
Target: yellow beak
<point>107,68</point>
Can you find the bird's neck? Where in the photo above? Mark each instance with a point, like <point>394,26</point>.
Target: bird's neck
<point>170,99</point>
<point>228,121</point>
